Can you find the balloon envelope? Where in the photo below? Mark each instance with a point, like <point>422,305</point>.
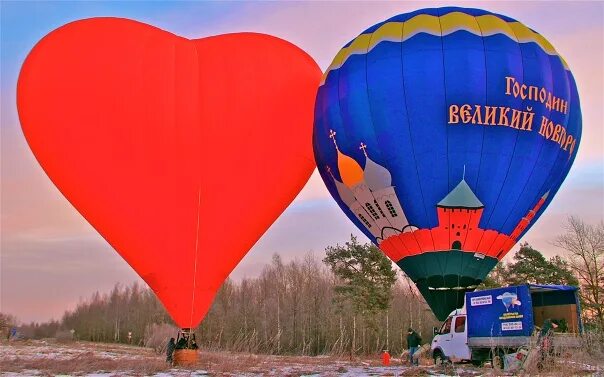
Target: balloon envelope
<point>171,148</point>
<point>443,134</point>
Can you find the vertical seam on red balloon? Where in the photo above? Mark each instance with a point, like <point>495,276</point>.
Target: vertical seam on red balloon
<point>198,201</point>
<point>195,260</point>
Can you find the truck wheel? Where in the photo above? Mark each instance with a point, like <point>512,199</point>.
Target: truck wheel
<point>439,358</point>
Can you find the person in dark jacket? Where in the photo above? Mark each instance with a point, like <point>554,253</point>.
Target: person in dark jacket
<point>182,343</point>
<point>170,351</point>
<point>413,343</point>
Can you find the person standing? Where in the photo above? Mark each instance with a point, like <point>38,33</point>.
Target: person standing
<point>170,351</point>
<point>544,340</point>
<point>183,342</point>
<point>413,343</point>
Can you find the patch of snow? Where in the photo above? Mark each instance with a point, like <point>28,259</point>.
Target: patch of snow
<point>584,366</point>
<point>25,372</point>
<point>199,373</point>
<point>182,373</point>
<point>355,371</point>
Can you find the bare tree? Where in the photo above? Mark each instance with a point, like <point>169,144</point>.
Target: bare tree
<point>585,245</point>
<point>288,309</point>
<point>7,322</point>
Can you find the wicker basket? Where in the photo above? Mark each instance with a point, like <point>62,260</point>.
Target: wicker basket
<point>184,357</point>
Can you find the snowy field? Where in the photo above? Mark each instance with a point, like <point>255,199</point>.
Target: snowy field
<point>48,358</point>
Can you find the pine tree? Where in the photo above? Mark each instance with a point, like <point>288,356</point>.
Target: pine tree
<point>365,280</point>
<point>366,275</point>
<point>530,266</point>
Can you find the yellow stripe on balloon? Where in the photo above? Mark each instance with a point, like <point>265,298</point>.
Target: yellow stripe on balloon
<point>423,23</point>
<point>491,25</point>
<point>391,32</point>
<point>525,35</point>
<point>482,26</point>
<point>454,21</point>
<point>356,47</point>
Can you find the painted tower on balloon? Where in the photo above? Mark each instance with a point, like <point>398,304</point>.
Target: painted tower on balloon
<point>458,214</point>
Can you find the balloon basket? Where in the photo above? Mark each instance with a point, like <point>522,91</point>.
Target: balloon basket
<point>185,357</point>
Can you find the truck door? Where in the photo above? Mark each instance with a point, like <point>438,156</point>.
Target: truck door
<point>459,339</point>
<point>443,339</point>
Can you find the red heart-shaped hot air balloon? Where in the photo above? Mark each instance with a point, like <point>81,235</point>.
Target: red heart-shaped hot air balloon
<point>181,153</point>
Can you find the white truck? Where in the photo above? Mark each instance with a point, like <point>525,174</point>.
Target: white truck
<point>499,321</point>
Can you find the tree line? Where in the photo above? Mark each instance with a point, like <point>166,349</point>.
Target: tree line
<point>290,308</point>
<point>354,300</point>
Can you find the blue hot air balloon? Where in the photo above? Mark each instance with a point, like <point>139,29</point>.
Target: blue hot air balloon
<point>443,134</point>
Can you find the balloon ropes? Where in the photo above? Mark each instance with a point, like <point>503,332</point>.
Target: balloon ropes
<point>444,134</point>
<point>172,149</point>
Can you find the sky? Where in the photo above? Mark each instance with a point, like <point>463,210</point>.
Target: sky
<point>51,258</point>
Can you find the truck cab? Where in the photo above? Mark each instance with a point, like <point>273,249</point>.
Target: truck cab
<point>450,342</point>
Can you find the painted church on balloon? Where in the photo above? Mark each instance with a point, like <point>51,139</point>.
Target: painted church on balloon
<point>369,194</point>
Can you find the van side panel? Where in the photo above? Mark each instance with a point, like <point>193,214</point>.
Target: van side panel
<point>500,312</point>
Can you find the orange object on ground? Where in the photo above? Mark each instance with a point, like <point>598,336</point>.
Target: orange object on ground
<point>386,358</point>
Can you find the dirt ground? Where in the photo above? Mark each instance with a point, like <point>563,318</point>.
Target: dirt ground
<point>49,358</point>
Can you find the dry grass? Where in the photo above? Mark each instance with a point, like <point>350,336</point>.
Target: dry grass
<point>51,358</point>
<point>230,363</point>
<point>584,358</point>
<point>85,363</point>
